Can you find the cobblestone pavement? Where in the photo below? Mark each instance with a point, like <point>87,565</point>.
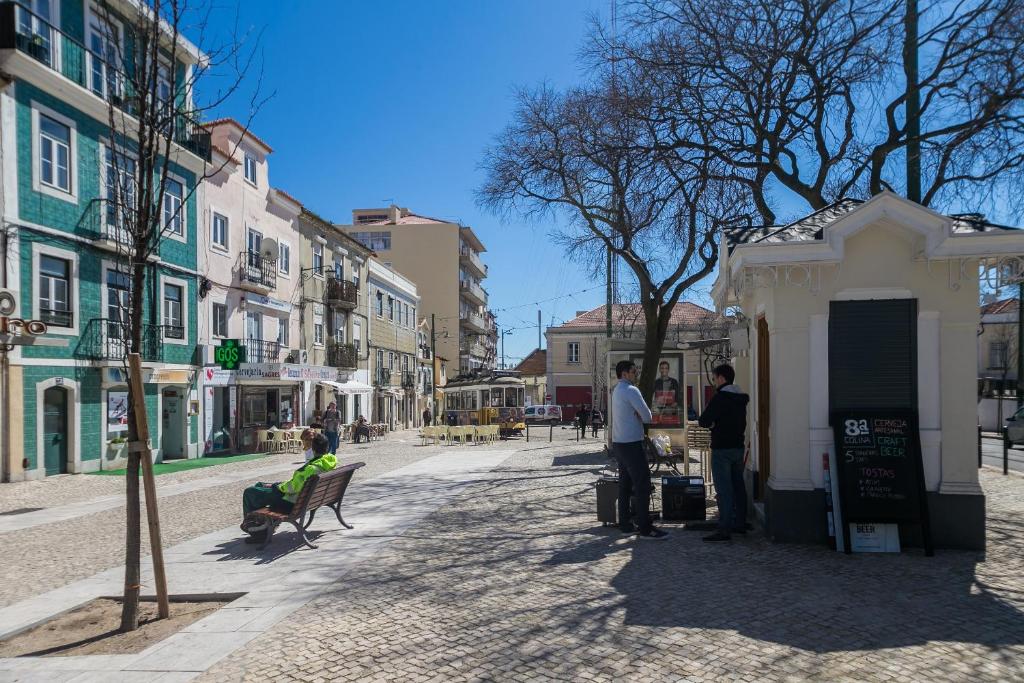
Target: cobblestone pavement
<point>54,555</point>
<point>515,581</point>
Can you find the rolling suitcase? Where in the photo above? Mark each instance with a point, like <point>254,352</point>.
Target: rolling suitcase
<point>607,500</point>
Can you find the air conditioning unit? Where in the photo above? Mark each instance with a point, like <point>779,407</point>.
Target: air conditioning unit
<point>8,302</point>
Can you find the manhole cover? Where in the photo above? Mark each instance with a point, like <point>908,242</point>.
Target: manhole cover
<point>18,511</point>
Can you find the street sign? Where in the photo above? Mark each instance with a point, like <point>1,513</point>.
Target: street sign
<point>229,355</point>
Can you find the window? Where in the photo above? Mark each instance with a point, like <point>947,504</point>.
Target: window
<point>54,154</point>
<point>174,218</point>
<point>282,331</point>
<point>355,275</point>
<point>380,359</point>
<point>356,334</point>
<point>574,352</point>
<point>253,326</point>
<point>118,191</point>
<point>391,308</point>
<point>250,168</point>
<point>219,324</point>
<point>377,241</point>
<point>380,304</point>
<point>997,355</point>
<point>318,334</point>
<point>119,287</point>
<point>284,257</point>
<point>413,315</point>
<point>391,361</point>
<point>339,270</point>
<point>173,298</point>
<point>318,259</point>
<point>219,231</point>
<point>55,291</point>
<point>163,87</point>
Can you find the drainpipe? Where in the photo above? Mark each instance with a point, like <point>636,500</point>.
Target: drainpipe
<point>5,420</point>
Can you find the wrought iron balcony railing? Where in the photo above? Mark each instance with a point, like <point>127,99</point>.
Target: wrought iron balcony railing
<point>259,351</point>
<point>342,293</point>
<point>256,270</point>
<point>57,317</point>
<point>408,379</point>
<point>110,339</point>
<point>382,378</point>
<point>341,355</point>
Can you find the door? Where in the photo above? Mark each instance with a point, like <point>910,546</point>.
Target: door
<point>764,392</point>
<point>254,241</point>
<point>173,432</point>
<point>55,430</point>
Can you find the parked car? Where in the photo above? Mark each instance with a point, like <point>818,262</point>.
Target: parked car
<point>549,414</point>
<point>1015,427</point>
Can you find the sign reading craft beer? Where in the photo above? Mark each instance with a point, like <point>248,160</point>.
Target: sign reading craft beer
<point>229,355</point>
<point>881,475</point>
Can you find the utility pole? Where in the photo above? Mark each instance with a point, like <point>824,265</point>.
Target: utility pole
<point>434,370</point>
<point>540,345</point>
<point>913,110</point>
<point>608,298</point>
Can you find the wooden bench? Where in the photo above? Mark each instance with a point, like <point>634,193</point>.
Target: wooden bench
<point>321,489</point>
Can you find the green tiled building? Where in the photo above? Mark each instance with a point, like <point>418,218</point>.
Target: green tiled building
<point>63,405</point>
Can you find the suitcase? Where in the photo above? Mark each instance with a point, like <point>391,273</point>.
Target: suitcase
<point>683,499</point>
<point>607,500</point>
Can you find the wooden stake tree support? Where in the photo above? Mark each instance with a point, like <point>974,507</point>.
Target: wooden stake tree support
<point>148,482</point>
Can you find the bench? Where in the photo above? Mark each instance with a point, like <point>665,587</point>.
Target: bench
<point>320,489</point>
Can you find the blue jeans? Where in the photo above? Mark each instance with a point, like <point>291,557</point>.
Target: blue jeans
<point>635,483</point>
<point>727,470</point>
<point>332,441</point>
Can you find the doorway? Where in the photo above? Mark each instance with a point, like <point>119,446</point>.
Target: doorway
<point>764,392</point>
<point>55,430</point>
<point>172,433</point>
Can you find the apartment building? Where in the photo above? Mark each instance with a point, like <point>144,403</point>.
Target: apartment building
<point>333,313</point>
<point>393,302</point>
<point>576,353</point>
<point>65,248</point>
<point>443,258</point>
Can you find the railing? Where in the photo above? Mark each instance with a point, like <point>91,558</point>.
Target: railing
<point>57,317</point>
<point>473,290</point>
<point>408,379</point>
<point>171,331</point>
<point>383,377</point>
<point>259,351</point>
<point>255,269</point>
<point>341,355</point>
<point>475,349</point>
<point>342,292</point>
<point>473,259</point>
<point>105,220</point>
<point>475,320</point>
<point>110,339</point>
<point>31,34</point>
<point>424,352</point>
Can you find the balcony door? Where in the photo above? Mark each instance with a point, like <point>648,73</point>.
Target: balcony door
<point>118,303</point>
<point>118,194</point>
<point>35,18</point>
<point>104,42</point>
<point>254,240</point>
<point>254,337</point>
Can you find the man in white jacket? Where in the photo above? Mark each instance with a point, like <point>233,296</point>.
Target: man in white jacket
<point>629,415</point>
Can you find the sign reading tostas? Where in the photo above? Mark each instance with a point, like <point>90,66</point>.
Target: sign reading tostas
<point>879,469</point>
<point>229,355</point>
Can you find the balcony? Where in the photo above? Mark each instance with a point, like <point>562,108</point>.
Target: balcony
<point>382,378</point>
<point>109,339</point>
<point>103,221</point>
<point>31,35</point>
<point>259,351</point>
<point>468,257</point>
<point>256,273</point>
<point>474,321</point>
<point>342,293</point>
<point>475,349</point>
<point>473,292</point>
<point>408,379</point>
<point>57,317</point>
<point>341,355</point>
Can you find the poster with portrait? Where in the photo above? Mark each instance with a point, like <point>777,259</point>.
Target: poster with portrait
<point>667,401</point>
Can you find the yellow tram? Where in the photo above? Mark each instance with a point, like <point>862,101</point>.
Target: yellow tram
<point>486,399</point>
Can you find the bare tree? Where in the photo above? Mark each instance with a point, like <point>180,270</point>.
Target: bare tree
<point>810,96</point>
<point>155,131</point>
<point>586,156</point>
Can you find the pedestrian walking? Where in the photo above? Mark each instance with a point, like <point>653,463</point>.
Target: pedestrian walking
<point>631,414</point>
<point>427,417</point>
<point>726,417</point>
<point>583,417</point>
<point>332,426</point>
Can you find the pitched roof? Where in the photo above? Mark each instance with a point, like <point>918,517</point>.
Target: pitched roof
<point>1001,306</point>
<point>534,364</point>
<point>685,314</point>
<point>811,227</point>
<point>286,195</point>
<point>248,133</point>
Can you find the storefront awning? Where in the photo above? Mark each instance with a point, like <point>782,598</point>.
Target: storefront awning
<point>349,387</point>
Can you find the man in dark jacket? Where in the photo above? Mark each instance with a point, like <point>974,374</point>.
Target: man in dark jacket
<point>726,416</point>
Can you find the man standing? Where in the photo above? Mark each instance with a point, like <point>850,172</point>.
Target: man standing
<point>629,415</point>
<point>427,417</point>
<point>582,416</point>
<point>332,426</point>
<point>726,416</point>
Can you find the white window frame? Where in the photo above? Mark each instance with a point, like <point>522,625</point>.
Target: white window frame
<point>185,311</point>
<point>213,320</point>
<point>248,157</point>
<point>569,353</point>
<point>106,267</point>
<point>37,161</point>
<point>182,212</point>
<point>104,147</point>
<point>318,333</point>
<point>284,258</point>
<point>226,247</point>
<point>317,251</point>
<point>39,249</point>
<point>283,333</point>
<point>118,29</point>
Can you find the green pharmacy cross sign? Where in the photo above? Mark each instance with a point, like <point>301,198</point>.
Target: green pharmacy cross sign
<point>230,354</point>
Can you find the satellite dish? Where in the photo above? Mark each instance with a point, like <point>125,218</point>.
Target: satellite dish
<point>269,249</point>
<point>8,302</point>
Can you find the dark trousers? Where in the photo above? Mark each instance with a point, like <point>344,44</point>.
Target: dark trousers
<point>635,483</point>
<point>727,471</point>
<point>264,496</point>
<point>361,432</point>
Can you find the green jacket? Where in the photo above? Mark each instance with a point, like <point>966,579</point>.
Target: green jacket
<point>292,487</point>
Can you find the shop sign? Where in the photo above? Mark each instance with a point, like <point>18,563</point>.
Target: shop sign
<point>229,355</point>
<point>269,302</point>
<point>216,377</point>
<point>208,419</point>
<point>288,372</point>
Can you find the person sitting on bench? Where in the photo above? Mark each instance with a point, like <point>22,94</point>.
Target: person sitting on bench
<point>281,496</point>
<point>361,430</point>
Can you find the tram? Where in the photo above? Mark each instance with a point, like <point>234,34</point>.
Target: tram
<point>494,397</point>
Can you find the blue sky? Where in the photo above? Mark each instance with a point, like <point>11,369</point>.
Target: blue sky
<point>395,101</point>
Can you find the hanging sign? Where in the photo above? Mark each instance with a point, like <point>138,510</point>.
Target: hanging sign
<point>229,355</point>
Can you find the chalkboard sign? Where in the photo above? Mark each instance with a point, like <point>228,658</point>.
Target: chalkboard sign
<point>879,469</point>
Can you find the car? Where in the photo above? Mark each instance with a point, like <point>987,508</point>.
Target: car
<point>547,413</point>
<point>1015,427</point>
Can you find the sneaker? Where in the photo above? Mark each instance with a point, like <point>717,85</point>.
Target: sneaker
<point>717,537</point>
<point>654,534</point>
<point>627,528</point>
<point>258,537</point>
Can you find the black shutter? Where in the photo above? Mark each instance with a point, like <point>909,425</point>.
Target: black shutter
<point>872,355</point>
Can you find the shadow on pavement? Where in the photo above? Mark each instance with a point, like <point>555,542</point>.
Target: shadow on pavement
<point>284,542</point>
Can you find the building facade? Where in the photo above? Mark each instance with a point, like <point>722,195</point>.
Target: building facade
<point>65,251</point>
<point>333,313</point>
<point>443,258</point>
<point>534,371</point>
<point>393,303</point>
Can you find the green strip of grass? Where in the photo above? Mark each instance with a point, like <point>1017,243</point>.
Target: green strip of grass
<point>179,465</point>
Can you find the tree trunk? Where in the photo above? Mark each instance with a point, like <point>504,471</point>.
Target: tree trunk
<point>656,324</point>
